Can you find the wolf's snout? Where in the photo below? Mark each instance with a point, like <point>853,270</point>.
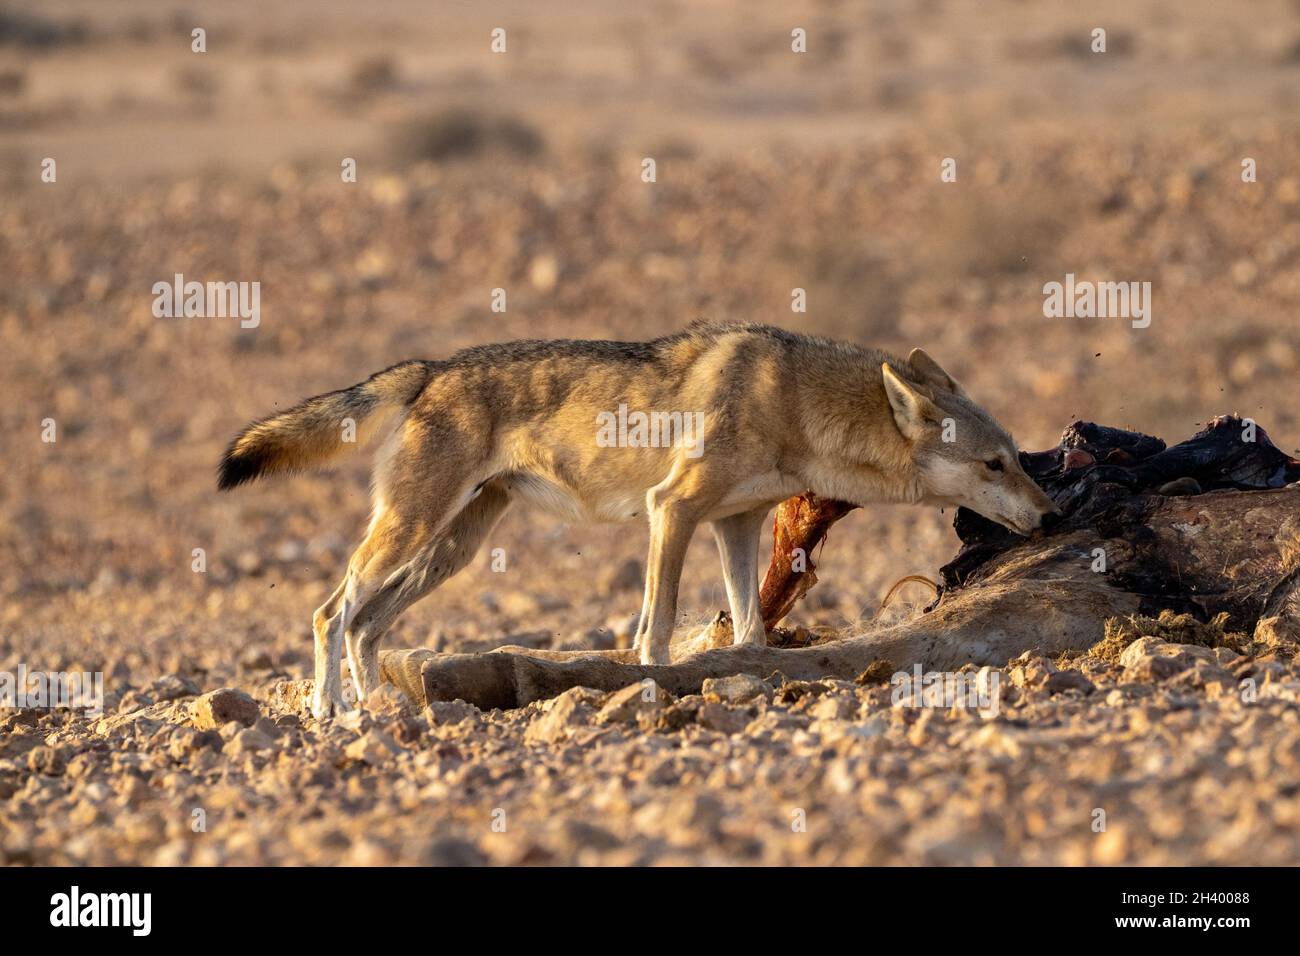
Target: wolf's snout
<point>1043,516</point>
<point>1034,523</point>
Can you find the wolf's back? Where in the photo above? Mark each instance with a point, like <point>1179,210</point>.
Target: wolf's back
<point>311,433</point>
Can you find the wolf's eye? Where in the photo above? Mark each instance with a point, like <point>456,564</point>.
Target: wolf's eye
<point>993,464</point>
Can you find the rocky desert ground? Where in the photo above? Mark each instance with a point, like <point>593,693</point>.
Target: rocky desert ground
<point>522,171</point>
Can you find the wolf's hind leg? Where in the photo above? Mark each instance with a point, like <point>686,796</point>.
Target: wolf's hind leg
<point>405,581</point>
<point>737,538</point>
<point>327,629</point>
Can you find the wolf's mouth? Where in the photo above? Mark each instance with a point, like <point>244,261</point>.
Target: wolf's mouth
<point>1016,526</point>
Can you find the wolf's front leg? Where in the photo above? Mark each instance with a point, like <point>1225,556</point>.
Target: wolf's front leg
<point>737,537</point>
<point>671,527</point>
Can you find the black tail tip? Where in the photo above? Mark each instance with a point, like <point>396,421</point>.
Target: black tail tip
<point>236,470</point>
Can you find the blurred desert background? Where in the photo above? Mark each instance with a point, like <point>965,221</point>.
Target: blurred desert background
<point>522,170</point>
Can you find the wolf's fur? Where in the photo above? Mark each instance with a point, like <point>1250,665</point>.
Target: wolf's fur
<point>783,413</point>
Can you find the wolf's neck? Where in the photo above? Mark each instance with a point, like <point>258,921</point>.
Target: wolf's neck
<point>858,454</point>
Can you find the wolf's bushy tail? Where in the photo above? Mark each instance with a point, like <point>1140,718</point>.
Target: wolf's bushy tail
<point>312,432</point>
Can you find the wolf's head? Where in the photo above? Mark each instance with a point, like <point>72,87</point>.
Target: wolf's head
<point>962,455</point>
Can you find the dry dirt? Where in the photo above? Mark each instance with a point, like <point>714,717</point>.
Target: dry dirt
<point>774,172</point>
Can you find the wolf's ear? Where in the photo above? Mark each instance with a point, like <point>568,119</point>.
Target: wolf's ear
<point>932,372</point>
<point>914,413</point>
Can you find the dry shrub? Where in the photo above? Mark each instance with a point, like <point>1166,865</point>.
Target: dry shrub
<point>373,74</point>
<point>196,81</point>
<point>1172,628</point>
<point>459,133</point>
<point>12,82</point>
<point>34,32</point>
<point>878,671</point>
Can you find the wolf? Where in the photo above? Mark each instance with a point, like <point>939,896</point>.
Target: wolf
<point>777,413</point>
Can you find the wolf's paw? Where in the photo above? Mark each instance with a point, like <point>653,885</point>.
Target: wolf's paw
<point>324,708</point>
<point>655,656</point>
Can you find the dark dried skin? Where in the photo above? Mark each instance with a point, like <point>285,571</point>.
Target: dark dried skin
<point>1100,440</point>
<point>1111,495</point>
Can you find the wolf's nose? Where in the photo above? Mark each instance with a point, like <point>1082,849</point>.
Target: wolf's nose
<point>1050,519</point>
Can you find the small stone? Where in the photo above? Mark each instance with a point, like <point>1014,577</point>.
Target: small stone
<point>1149,659</point>
<point>628,704</point>
<point>1068,680</point>
<point>833,707</point>
<point>133,700</point>
<point>1244,272</point>
<point>185,742</point>
<point>451,851</point>
<point>256,659</point>
<point>543,272</point>
<point>721,718</point>
<point>249,740</point>
<point>600,639</point>
<point>1207,676</point>
<point>374,748</point>
<point>1029,671</point>
<point>736,689</point>
<point>450,712</point>
<point>679,714</point>
<point>387,701</point>
<point>832,731</point>
<point>1226,655</point>
<point>46,760</point>
<point>19,718</point>
<point>1139,649</point>
<point>217,708</point>
<point>623,626</point>
<point>562,716</point>
<point>625,576</point>
<point>289,551</point>
<point>291,696</point>
<point>173,687</point>
<point>83,765</point>
<point>700,811</point>
<point>581,833</point>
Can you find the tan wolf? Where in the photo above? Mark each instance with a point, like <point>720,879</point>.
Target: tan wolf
<point>725,422</point>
